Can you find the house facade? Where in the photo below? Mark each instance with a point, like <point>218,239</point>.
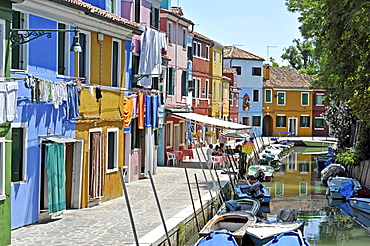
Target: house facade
<point>319,106</point>
<point>234,94</point>
<point>175,26</point>
<point>217,90</point>
<point>287,103</point>
<point>249,72</point>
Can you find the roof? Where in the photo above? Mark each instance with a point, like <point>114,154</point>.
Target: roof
<point>201,36</point>
<point>176,14</point>
<point>177,10</point>
<point>229,70</point>
<point>232,52</point>
<point>88,8</point>
<point>193,117</point>
<point>286,77</point>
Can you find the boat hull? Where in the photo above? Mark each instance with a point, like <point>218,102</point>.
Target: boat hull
<point>315,143</point>
<point>335,183</point>
<point>288,238</point>
<point>217,238</point>
<point>362,204</point>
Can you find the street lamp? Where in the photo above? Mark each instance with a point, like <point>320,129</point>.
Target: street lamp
<point>22,36</point>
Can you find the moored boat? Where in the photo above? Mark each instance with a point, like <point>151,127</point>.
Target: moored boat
<point>362,204</point>
<point>252,190</point>
<point>217,238</point>
<point>318,143</point>
<point>234,217</point>
<point>260,173</point>
<point>290,238</point>
<point>335,187</point>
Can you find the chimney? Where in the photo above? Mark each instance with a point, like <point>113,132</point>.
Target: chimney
<point>266,72</point>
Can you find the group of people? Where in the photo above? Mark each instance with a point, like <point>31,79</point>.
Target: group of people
<point>219,150</point>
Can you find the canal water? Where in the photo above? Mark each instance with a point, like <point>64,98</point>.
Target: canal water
<point>296,186</point>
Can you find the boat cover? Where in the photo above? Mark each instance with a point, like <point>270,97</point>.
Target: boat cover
<point>290,238</point>
<point>287,215</point>
<point>333,170</point>
<point>347,189</point>
<point>217,238</point>
<point>232,205</point>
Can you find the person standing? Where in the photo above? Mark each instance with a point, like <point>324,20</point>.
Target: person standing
<point>210,151</point>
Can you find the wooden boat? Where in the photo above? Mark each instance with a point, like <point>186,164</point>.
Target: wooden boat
<point>361,216</point>
<point>263,232</point>
<point>318,143</point>
<point>361,204</point>
<point>217,238</point>
<point>288,238</point>
<point>335,183</point>
<point>268,158</point>
<point>260,173</point>
<point>235,221</point>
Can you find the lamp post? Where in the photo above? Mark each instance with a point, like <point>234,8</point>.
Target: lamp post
<point>269,46</point>
<point>22,36</point>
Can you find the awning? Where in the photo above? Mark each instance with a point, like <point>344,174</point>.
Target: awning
<point>212,121</point>
<point>234,134</point>
<point>59,139</point>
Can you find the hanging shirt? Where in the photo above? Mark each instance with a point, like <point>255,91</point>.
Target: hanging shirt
<point>140,110</point>
<point>127,111</point>
<point>134,106</point>
<point>148,111</point>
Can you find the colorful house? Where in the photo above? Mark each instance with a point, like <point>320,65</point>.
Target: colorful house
<point>319,126</point>
<point>287,103</point>
<point>73,124</point>
<point>175,25</point>
<point>217,90</point>
<point>8,90</point>
<point>234,93</point>
<point>249,72</point>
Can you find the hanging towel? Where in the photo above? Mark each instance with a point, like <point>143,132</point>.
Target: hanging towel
<point>127,111</point>
<point>72,102</point>
<point>148,111</point>
<point>140,109</point>
<point>11,101</point>
<point>56,177</point>
<point>155,111</point>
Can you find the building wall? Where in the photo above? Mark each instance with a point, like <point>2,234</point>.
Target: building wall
<point>317,110</point>
<point>216,81</point>
<point>291,109</point>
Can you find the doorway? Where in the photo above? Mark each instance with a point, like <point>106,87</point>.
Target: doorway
<point>267,129</point>
<point>293,125</point>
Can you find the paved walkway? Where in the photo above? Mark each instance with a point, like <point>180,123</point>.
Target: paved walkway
<point>109,222</point>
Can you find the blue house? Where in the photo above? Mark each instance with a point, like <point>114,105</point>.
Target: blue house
<point>249,69</point>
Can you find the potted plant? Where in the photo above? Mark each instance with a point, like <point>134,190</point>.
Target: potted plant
<point>210,133</point>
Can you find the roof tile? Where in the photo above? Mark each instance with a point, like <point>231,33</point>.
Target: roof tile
<point>232,52</point>
<point>285,77</point>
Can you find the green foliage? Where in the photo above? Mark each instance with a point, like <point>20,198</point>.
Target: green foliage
<point>347,158</point>
<point>340,31</point>
<point>362,143</point>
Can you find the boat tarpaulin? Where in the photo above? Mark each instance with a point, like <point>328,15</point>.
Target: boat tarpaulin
<point>213,121</point>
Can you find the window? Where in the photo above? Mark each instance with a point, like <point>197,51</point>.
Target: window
<point>112,6</point>
<point>304,166</point>
<point>2,46</point>
<point>191,87</point>
<point>256,71</point>
<point>198,88</point>
<point>184,38</point>
<point>246,121</point>
<point>268,96</point>
<point>232,99</point>
<point>281,121</point>
<point>2,171</point>
<point>320,99</point>
<point>207,52</point>
<point>184,84</point>
<point>303,188</point>
<point>256,95</point>
<point>194,48</point>
<point>281,98</point>
<point>305,121</point>
<point>214,56</point>
<point>199,49</point>
<point>304,99</point>
<point>238,70</point>
<point>19,51</point>
<point>154,18</point>
<point>171,81</point>
<point>279,189</point>
<point>169,134</point>
<point>83,57</point>
<point>214,91</point>
<point>137,10</point>
<point>256,120</point>
<point>319,123</point>
<point>19,141</point>
<point>63,51</point>
<point>207,88</point>
<point>169,32</point>
<point>112,151</point>
<point>116,62</point>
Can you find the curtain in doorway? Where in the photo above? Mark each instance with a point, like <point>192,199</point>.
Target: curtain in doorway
<point>56,177</point>
<point>96,166</point>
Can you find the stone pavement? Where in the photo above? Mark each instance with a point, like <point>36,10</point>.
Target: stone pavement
<point>109,222</point>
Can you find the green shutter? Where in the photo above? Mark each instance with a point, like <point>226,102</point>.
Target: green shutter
<point>172,82</point>
<point>280,98</point>
<point>305,99</point>
<point>17,154</point>
<point>268,95</point>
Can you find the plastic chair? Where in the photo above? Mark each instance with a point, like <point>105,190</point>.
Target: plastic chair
<point>214,161</point>
<point>171,157</point>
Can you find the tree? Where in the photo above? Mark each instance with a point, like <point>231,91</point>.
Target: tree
<point>301,56</point>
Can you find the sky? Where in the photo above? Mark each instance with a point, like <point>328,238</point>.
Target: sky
<point>251,25</point>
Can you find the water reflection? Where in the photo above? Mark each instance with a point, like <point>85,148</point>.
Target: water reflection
<point>296,185</point>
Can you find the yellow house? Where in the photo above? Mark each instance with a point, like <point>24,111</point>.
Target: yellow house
<point>216,81</point>
<point>102,66</point>
<point>287,104</point>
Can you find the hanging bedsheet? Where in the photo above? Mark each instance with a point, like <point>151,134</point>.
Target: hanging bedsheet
<point>8,101</point>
